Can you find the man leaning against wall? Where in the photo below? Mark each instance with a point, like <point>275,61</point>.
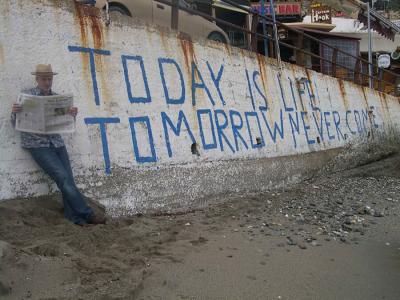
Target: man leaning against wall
<point>50,153</point>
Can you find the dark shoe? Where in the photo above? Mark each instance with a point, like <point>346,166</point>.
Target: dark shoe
<point>82,224</point>
<point>95,220</point>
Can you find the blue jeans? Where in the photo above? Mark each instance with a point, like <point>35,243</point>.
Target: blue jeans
<point>55,162</point>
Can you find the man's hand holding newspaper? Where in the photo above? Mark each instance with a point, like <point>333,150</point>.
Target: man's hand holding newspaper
<point>45,114</point>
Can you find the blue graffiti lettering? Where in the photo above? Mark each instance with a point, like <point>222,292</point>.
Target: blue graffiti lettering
<point>287,108</point>
<point>347,122</point>
<point>336,120</point>
<point>306,128</point>
<point>201,85</point>
<point>250,90</point>
<point>102,125</point>
<point>255,144</point>
<point>175,129</point>
<point>220,129</point>
<point>320,127</point>
<point>212,145</point>
<point>133,99</point>
<point>255,75</point>
<point>328,124</point>
<point>169,100</point>
<point>236,126</point>
<point>216,80</point>
<point>364,114</point>
<point>311,95</point>
<point>292,92</point>
<point>277,129</point>
<point>139,158</point>
<point>91,53</point>
<point>358,121</point>
<point>295,126</point>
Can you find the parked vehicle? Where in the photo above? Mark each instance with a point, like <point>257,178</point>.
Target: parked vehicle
<point>159,13</point>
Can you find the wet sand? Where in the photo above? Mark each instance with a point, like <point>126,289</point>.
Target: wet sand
<point>332,237</point>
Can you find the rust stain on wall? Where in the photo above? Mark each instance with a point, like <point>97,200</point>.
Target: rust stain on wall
<point>80,20</point>
<point>164,41</point>
<point>364,95</point>
<point>88,17</point>
<point>88,20</point>
<point>385,104</point>
<point>189,55</point>
<point>270,113</point>
<point>344,94</point>
<point>311,84</point>
<point>228,49</point>
<point>317,116</point>
<point>261,64</point>
<point>101,71</point>
<point>384,108</point>
<point>370,113</point>
<point>97,31</point>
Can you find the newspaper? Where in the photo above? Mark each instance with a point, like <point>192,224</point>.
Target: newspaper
<point>45,114</point>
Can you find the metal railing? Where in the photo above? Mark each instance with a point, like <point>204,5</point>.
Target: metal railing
<point>379,78</point>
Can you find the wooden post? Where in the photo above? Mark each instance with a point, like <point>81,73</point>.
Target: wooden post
<point>271,43</point>
<point>254,25</point>
<point>213,13</point>
<point>334,60</point>
<point>174,14</point>
<point>299,54</point>
<point>380,76</point>
<point>248,35</point>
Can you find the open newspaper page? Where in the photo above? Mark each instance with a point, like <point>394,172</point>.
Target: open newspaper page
<point>45,114</point>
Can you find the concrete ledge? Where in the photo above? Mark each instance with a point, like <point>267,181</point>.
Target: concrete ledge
<point>147,98</point>
<point>181,188</point>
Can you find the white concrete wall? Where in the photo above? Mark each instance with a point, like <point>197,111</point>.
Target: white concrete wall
<point>144,79</point>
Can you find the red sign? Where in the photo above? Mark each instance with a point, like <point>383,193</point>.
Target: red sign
<point>282,9</point>
<point>340,14</point>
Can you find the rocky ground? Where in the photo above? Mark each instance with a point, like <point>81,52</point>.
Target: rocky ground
<point>332,237</point>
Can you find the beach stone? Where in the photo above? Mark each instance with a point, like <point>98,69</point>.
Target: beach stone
<point>300,220</point>
<point>302,246</point>
<point>315,243</point>
<point>378,213</point>
<point>347,227</point>
<point>290,241</point>
<point>4,290</point>
<point>348,221</point>
<point>6,252</point>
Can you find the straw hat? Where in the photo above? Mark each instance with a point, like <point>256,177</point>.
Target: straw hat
<point>42,69</point>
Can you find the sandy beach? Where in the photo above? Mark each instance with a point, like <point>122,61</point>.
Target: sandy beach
<point>332,237</point>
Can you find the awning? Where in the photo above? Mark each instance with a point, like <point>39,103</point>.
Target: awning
<point>314,26</point>
<point>325,34</point>
<point>379,23</point>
